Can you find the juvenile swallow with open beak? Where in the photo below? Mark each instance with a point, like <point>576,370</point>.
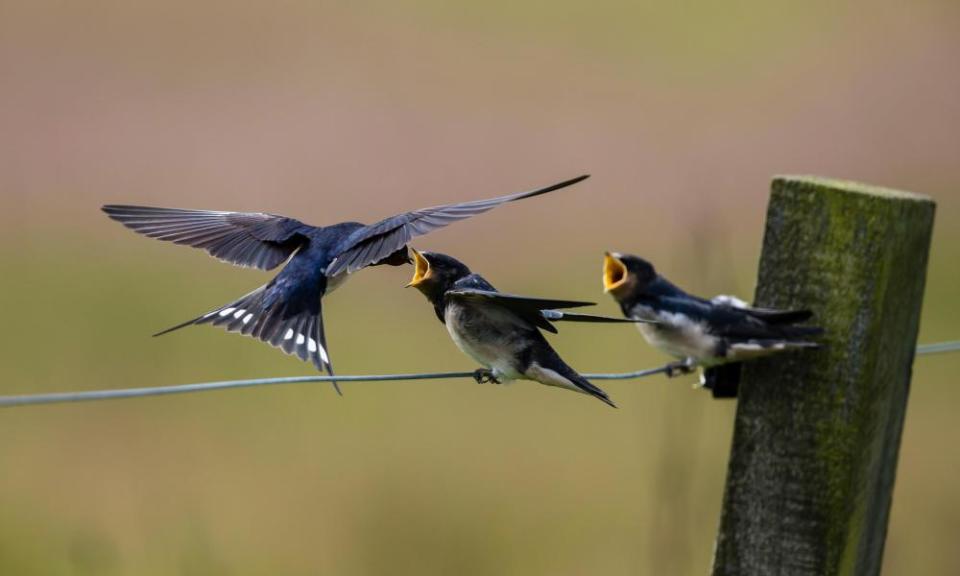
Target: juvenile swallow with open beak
<point>500,331</point>
<point>287,311</point>
<point>700,332</point>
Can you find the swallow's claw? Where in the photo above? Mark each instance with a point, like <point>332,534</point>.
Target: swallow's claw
<point>484,376</point>
<point>681,368</point>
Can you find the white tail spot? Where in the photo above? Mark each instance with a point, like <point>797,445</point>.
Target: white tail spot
<point>240,312</point>
<point>300,339</point>
<point>323,354</point>
<point>247,319</point>
<point>289,334</point>
<point>227,311</point>
<point>312,345</point>
<point>725,300</point>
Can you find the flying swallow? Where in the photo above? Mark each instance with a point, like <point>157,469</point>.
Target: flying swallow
<point>500,331</point>
<point>287,311</point>
<point>700,332</point>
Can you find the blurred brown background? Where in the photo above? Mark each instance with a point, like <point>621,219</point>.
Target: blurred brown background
<point>355,110</point>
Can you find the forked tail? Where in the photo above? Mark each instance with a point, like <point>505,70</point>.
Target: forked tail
<point>296,332</point>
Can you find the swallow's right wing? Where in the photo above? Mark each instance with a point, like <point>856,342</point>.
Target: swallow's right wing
<point>251,239</point>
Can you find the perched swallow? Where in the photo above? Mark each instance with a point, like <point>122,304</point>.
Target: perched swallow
<point>500,331</point>
<point>700,332</point>
<point>287,312</point>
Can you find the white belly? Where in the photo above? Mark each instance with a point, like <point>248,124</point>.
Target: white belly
<point>484,338</point>
<point>678,335</point>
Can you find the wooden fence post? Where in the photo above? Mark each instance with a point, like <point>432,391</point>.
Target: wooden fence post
<point>817,433</point>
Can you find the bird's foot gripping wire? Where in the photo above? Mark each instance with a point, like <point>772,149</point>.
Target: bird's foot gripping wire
<point>681,368</point>
<point>484,376</point>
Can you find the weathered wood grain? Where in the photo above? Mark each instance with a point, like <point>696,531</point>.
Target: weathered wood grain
<point>817,433</point>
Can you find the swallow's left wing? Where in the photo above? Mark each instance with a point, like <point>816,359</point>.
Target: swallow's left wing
<point>771,315</point>
<point>529,309</point>
<point>742,324</point>
<point>375,242</point>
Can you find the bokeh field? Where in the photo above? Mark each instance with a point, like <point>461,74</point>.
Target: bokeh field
<point>329,111</point>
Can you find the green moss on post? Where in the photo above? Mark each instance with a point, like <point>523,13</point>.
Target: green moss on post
<point>817,433</point>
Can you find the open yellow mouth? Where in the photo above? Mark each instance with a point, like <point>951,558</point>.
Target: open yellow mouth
<point>421,268</point>
<point>615,272</point>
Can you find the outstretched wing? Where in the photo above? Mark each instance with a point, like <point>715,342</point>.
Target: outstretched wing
<point>529,309</point>
<point>375,242</point>
<point>251,239</point>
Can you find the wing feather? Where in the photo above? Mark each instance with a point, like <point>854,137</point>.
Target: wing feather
<point>251,239</point>
<point>393,233</point>
<point>529,309</point>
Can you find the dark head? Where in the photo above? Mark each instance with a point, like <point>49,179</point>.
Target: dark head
<point>436,273</point>
<point>625,275</point>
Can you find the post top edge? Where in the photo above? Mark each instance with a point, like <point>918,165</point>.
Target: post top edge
<point>851,186</point>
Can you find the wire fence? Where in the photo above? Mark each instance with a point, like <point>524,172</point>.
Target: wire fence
<point>90,395</point>
<point>938,348</point>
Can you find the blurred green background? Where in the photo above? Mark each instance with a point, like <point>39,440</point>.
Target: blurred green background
<point>327,111</point>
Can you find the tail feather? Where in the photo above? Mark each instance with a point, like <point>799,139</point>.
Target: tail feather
<point>177,327</point>
<point>594,391</point>
<point>769,315</point>
<point>780,317</point>
<point>802,331</point>
<point>298,333</point>
<point>548,368</point>
<point>590,388</point>
<point>759,347</point>
<point>323,354</point>
<point>294,337</point>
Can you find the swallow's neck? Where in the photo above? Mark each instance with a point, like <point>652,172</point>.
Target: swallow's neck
<point>436,295</point>
<point>440,309</point>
